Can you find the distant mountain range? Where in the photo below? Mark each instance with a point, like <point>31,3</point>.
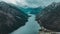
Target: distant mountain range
<point>31,10</point>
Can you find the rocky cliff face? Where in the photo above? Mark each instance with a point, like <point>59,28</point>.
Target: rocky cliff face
<point>49,17</point>
<point>11,18</point>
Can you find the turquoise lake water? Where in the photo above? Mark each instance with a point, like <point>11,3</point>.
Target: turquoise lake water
<point>31,27</point>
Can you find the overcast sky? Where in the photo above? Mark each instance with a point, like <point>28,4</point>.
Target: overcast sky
<point>32,3</point>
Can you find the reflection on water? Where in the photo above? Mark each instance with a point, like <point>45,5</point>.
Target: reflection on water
<point>31,27</point>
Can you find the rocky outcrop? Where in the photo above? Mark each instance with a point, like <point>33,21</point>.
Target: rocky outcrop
<point>49,17</point>
<point>11,18</point>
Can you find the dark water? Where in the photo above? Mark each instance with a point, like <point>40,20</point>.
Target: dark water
<point>31,27</point>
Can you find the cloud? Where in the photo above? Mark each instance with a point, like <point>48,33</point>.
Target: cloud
<point>28,3</point>
<point>31,3</point>
<point>21,2</point>
<point>10,1</point>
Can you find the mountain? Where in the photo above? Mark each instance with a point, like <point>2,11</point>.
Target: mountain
<point>49,17</point>
<point>36,10</point>
<point>31,10</point>
<point>11,18</point>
